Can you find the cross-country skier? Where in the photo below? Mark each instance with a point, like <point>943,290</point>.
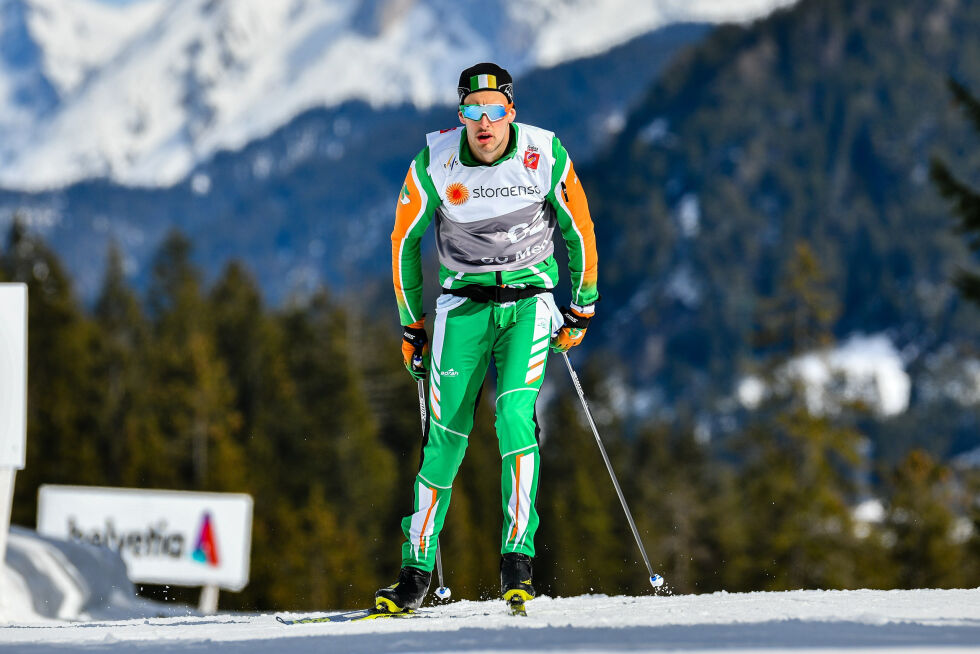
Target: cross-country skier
<point>496,190</point>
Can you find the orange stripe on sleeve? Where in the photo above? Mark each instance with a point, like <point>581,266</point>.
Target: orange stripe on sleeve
<point>578,207</point>
<point>405,258</point>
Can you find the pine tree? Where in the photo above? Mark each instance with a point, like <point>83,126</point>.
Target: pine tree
<point>921,519</point>
<point>318,559</point>
<point>674,489</point>
<point>192,397</point>
<point>251,344</point>
<point>801,314</point>
<point>122,341</point>
<point>250,348</point>
<point>338,445</point>
<point>795,484</point>
<point>582,542</point>
<point>971,570</point>
<point>966,200</point>
<point>392,399</point>
<point>796,462</point>
<point>61,396</point>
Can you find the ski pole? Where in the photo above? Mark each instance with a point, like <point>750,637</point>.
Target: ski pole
<point>442,592</point>
<point>655,580</point>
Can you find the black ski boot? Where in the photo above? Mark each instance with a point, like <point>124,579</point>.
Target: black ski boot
<point>515,581</point>
<point>406,594</point>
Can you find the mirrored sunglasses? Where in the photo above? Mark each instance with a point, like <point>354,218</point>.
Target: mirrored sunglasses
<point>475,111</point>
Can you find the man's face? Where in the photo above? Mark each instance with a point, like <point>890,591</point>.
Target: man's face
<point>487,139</point>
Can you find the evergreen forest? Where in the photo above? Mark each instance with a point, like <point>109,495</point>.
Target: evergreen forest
<point>197,385</point>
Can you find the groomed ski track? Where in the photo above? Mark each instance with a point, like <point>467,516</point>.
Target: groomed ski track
<point>811,621</point>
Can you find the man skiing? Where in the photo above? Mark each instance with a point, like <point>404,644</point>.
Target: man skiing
<point>496,189</point>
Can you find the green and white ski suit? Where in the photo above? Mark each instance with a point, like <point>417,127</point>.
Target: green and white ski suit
<point>494,227</point>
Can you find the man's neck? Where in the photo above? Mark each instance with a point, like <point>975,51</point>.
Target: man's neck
<point>486,159</point>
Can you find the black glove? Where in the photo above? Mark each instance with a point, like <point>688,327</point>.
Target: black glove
<point>415,349</point>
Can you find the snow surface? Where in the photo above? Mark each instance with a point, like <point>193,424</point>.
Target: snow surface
<point>812,621</point>
<point>143,93</point>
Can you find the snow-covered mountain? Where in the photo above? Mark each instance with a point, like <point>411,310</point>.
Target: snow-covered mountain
<point>49,49</point>
<point>143,93</point>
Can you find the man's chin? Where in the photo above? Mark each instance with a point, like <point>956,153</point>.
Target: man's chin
<point>483,148</point>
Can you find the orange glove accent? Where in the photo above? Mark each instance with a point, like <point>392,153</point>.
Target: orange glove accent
<point>573,331</point>
<point>415,349</point>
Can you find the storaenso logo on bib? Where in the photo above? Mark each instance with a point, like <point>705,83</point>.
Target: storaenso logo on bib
<point>505,191</point>
<point>457,193</point>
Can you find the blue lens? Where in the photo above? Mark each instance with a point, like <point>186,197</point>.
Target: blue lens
<point>475,111</point>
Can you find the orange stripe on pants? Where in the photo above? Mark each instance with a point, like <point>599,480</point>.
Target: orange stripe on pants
<point>517,496</point>
<point>428,514</point>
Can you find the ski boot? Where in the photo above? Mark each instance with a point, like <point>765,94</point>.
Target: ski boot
<point>515,581</point>
<point>406,594</point>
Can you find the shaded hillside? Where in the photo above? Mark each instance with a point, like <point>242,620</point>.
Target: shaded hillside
<point>814,125</point>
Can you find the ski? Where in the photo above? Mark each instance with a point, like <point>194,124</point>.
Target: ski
<point>350,616</point>
<point>515,606</point>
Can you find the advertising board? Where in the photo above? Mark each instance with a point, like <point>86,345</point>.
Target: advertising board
<point>13,375</point>
<point>165,537</point>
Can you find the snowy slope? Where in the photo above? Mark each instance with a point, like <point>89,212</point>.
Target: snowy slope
<point>190,77</point>
<point>48,50</point>
<point>810,621</point>
<point>80,36</point>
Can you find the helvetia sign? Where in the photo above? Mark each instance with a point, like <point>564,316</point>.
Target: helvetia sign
<point>165,537</point>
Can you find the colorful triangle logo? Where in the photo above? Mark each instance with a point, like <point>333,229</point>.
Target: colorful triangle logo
<point>206,550</point>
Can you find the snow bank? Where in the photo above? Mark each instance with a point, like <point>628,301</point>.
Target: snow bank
<point>47,579</point>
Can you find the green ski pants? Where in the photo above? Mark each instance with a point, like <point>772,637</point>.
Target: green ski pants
<point>465,335</point>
